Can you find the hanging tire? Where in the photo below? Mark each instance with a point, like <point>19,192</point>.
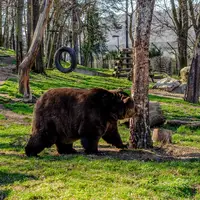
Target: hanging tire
<point>58,57</point>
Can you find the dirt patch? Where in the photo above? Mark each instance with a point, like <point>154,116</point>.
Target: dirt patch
<point>165,153</point>
<point>6,72</point>
<point>158,154</point>
<point>12,117</point>
<point>163,93</point>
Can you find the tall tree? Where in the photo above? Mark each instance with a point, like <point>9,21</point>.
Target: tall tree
<point>173,15</point>
<point>6,25</point>
<point>181,22</point>
<point>1,17</point>
<point>139,125</point>
<point>25,66</point>
<point>94,35</point>
<point>19,35</point>
<point>194,16</point>
<point>29,20</point>
<point>193,84</point>
<point>38,67</point>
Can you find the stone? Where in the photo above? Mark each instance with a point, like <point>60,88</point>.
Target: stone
<point>180,89</point>
<point>163,136</point>
<point>184,74</point>
<point>156,117</point>
<point>168,84</point>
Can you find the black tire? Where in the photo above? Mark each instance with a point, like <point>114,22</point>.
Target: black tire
<point>57,59</point>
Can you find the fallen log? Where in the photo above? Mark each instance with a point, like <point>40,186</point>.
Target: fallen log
<point>192,124</point>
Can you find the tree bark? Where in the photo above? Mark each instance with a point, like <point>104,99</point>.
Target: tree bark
<point>12,31</point>
<point>1,35</point>
<point>193,84</point>
<point>75,29</point>
<point>29,20</point>
<point>38,67</point>
<point>139,125</point>
<point>19,39</point>
<point>6,27</point>
<point>29,59</point>
<point>180,19</point>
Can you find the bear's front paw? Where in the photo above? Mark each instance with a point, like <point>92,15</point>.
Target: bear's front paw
<point>122,146</point>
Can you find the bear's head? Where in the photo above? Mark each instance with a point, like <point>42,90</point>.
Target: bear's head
<point>122,105</point>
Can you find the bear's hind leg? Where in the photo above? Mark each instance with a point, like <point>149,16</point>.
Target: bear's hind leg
<point>65,148</point>
<point>90,145</point>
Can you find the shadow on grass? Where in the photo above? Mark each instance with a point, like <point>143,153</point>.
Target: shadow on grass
<point>106,152</point>
<point>157,154</point>
<point>16,143</point>
<point>4,194</point>
<point>8,178</point>
<point>20,108</point>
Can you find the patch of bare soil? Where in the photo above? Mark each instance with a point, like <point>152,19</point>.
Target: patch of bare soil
<point>157,154</point>
<point>12,117</point>
<point>6,72</point>
<point>168,152</point>
<point>163,93</point>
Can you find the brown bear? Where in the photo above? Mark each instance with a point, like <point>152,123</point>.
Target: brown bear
<point>64,115</point>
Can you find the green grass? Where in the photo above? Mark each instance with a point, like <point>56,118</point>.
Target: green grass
<point>186,136</point>
<point>6,52</point>
<point>105,71</point>
<point>89,177</point>
<point>178,108</point>
<point>102,70</point>
<point>2,117</point>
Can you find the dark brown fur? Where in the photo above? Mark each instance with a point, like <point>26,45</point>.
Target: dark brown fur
<point>65,115</point>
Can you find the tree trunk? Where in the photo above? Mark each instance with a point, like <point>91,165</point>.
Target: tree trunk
<point>29,20</point>
<point>1,35</point>
<point>19,39</point>
<point>29,60</point>
<point>193,84</point>
<point>6,27</point>
<point>75,29</point>
<point>12,31</point>
<point>140,136</point>
<point>38,67</point>
<point>180,19</point>
<point>182,51</point>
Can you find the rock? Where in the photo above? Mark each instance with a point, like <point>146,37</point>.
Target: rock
<point>184,74</point>
<point>180,89</point>
<point>168,84</point>
<point>163,136</point>
<point>156,117</point>
<point>161,64</point>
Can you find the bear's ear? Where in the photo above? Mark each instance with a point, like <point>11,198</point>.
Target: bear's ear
<point>129,101</point>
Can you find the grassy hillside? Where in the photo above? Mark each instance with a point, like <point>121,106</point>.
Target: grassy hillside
<point>125,175</point>
<point>6,52</point>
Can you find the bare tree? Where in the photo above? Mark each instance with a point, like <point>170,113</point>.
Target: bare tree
<point>38,67</point>
<point>25,66</point>
<point>173,15</point>
<point>19,39</point>
<point>193,84</point>
<point>1,35</point>
<point>139,125</point>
